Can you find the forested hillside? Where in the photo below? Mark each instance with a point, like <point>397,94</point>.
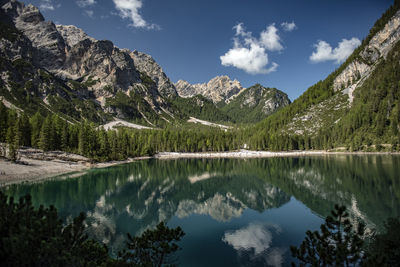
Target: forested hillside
<point>330,115</point>
<point>54,133</point>
<point>255,103</point>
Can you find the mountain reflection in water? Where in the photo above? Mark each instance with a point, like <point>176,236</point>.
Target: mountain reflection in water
<point>133,197</point>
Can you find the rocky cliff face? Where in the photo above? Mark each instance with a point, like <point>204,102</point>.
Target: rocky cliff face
<point>66,71</point>
<point>43,35</point>
<point>145,63</point>
<point>220,88</point>
<point>360,69</point>
<point>99,67</point>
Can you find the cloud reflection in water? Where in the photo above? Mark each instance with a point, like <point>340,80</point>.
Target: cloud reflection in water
<point>254,242</point>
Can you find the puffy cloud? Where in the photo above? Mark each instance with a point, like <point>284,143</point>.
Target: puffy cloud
<point>254,242</point>
<point>288,26</point>
<point>129,9</point>
<point>251,59</point>
<point>249,53</point>
<point>46,5</point>
<point>85,3</point>
<point>324,51</point>
<point>270,38</point>
<point>254,237</point>
<point>89,13</point>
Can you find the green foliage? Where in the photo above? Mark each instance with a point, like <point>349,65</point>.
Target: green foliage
<point>108,88</point>
<point>372,118</point>
<point>340,244</point>
<point>147,81</point>
<point>37,237</point>
<point>22,65</point>
<point>90,82</point>
<point>153,247</point>
<point>242,111</point>
<point>200,108</point>
<point>3,122</point>
<point>373,115</point>
<point>384,249</point>
<point>125,104</point>
<point>337,244</point>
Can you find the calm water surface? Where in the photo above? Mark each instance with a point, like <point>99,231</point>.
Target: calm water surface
<point>235,212</point>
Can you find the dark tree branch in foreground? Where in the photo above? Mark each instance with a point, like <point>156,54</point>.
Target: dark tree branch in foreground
<point>337,244</point>
<point>340,243</point>
<point>37,237</point>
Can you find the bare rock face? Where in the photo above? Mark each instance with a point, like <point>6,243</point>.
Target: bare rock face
<point>43,35</point>
<point>220,88</point>
<point>102,63</point>
<point>360,69</point>
<point>145,63</point>
<point>72,35</point>
<point>186,89</point>
<point>90,69</point>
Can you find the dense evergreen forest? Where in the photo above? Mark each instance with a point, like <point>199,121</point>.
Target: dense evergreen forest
<point>55,133</point>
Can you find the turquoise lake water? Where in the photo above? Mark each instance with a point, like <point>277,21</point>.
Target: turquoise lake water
<point>235,212</point>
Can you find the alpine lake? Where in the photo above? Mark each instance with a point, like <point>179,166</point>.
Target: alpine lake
<point>235,212</point>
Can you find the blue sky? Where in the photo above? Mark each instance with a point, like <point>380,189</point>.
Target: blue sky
<point>287,44</point>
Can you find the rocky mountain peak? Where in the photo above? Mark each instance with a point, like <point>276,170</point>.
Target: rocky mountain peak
<point>220,88</point>
<point>44,36</point>
<point>12,8</point>
<point>256,103</point>
<point>83,63</point>
<point>72,35</point>
<point>145,63</point>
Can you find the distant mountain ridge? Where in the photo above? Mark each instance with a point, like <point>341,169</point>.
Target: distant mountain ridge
<point>256,103</point>
<point>220,88</point>
<point>245,105</point>
<point>60,69</point>
<point>78,67</point>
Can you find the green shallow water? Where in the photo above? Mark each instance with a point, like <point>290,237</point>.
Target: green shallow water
<point>235,212</point>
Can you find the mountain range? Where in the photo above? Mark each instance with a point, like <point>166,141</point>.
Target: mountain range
<point>60,69</point>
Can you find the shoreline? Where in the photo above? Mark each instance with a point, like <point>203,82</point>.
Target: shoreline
<point>262,154</point>
<point>34,165</point>
<point>52,164</point>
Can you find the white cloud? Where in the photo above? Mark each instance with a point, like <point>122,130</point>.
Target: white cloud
<point>89,13</point>
<point>129,9</point>
<point>324,51</point>
<point>288,26</point>
<point>249,53</point>
<point>253,237</point>
<point>270,38</point>
<point>85,3</point>
<point>275,257</point>
<point>46,5</point>
<point>254,242</point>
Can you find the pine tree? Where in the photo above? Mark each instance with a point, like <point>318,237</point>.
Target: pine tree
<point>337,244</point>
<point>46,139</point>
<point>11,139</point>
<point>3,122</point>
<point>36,122</point>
